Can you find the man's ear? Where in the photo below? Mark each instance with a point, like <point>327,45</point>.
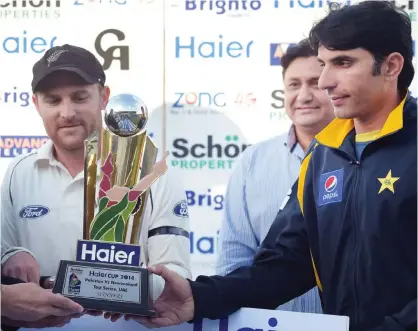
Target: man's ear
<point>105,96</point>
<point>35,101</point>
<point>394,64</point>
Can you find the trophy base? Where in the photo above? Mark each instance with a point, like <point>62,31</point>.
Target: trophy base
<point>106,287</point>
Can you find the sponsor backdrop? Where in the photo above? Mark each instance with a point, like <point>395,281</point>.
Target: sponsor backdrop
<point>209,72</point>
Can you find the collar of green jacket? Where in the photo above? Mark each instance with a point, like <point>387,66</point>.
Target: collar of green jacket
<point>334,134</point>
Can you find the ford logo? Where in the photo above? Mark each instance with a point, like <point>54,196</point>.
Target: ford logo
<point>180,209</point>
<point>33,211</point>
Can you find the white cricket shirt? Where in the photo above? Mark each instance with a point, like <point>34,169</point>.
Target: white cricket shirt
<point>42,211</point>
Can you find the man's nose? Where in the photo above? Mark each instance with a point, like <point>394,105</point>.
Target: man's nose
<point>305,94</point>
<point>326,80</point>
<point>67,110</point>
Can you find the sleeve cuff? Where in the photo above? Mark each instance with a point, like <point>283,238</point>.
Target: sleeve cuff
<point>12,251</point>
<point>202,299</point>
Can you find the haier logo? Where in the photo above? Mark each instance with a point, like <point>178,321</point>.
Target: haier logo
<point>220,7</point>
<point>30,9</point>
<point>277,50</point>
<point>113,253</point>
<point>27,43</point>
<point>12,146</point>
<point>192,47</point>
<point>16,96</point>
<point>206,199</point>
<point>310,4</point>
<point>204,244</point>
<point>211,154</point>
<point>109,54</point>
<point>270,323</point>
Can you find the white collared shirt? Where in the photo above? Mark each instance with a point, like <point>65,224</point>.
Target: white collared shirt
<point>256,189</point>
<point>50,228</point>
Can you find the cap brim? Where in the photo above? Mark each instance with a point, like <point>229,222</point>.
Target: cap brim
<point>89,79</point>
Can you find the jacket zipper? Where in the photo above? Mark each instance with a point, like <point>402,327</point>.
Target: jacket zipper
<point>354,258</point>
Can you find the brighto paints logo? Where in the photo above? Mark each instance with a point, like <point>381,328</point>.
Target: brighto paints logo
<point>16,97</point>
<point>205,199</point>
<point>210,154</point>
<point>224,7</point>
<point>30,9</point>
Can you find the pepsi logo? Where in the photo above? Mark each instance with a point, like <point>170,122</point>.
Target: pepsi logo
<point>331,183</point>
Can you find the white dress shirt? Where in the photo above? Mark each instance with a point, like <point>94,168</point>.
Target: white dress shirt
<point>258,184</point>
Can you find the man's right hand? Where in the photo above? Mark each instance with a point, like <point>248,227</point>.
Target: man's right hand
<point>30,302</point>
<point>22,265</point>
<point>174,306</point>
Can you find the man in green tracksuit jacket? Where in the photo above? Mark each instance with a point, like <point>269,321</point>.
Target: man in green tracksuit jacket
<point>349,224</point>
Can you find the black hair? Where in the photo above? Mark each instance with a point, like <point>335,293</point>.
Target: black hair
<point>376,26</point>
<point>301,49</point>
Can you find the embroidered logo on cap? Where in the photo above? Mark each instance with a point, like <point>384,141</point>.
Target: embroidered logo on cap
<point>55,55</point>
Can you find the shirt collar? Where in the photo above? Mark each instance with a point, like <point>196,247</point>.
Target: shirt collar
<point>292,140</point>
<point>334,134</point>
<point>292,143</point>
<point>46,154</point>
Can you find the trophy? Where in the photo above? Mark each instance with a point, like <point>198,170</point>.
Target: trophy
<point>107,274</point>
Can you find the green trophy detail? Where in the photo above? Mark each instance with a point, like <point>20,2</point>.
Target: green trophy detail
<point>118,203</point>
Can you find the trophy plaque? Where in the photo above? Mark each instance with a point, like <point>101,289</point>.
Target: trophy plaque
<point>120,166</point>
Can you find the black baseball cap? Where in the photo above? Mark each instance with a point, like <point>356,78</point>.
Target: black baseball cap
<point>68,58</point>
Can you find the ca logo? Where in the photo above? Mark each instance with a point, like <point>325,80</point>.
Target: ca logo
<point>109,54</point>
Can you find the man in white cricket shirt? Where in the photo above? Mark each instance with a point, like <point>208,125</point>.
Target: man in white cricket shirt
<point>42,192</point>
